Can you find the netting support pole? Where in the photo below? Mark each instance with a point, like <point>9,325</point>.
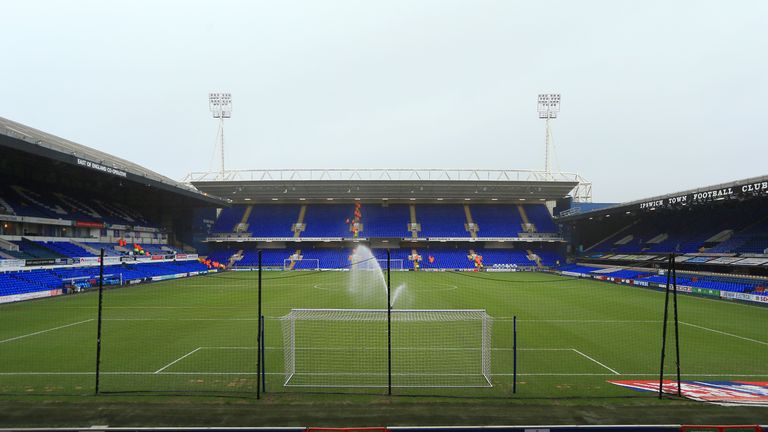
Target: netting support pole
<point>263,359</point>
<point>677,334</point>
<point>389,325</point>
<point>98,320</point>
<point>514,354</point>
<point>664,327</point>
<point>259,338</point>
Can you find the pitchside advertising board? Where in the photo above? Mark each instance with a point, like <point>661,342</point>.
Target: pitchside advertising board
<point>738,190</point>
<point>709,292</point>
<point>728,393</point>
<point>29,296</point>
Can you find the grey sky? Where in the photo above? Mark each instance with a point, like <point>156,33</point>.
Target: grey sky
<point>657,96</point>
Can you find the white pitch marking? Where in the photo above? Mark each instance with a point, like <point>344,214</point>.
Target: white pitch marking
<point>724,333</point>
<point>180,319</point>
<point>45,331</point>
<point>363,348</point>
<point>178,360</point>
<point>382,348</point>
<point>590,358</point>
<point>576,321</point>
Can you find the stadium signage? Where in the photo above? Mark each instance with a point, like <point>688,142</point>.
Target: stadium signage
<point>713,194</point>
<point>103,168</point>
<point>743,296</point>
<point>678,200</point>
<point>89,224</point>
<point>45,261</point>
<point>11,263</point>
<point>29,296</point>
<point>755,188</point>
<point>652,204</point>
<point>706,291</point>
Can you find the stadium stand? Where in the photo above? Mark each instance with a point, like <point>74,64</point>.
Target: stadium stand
<point>539,216</point>
<point>270,257</point>
<point>66,249</point>
<point>20,282</point>
<point>722,229</point>
<point>328,257</point>
<point>332,220</point>
<point>497,220</point>
<point>327,220</point>
<point>385,221</point>
<point>38,250</point>
<point>228,219</point>
<point>578,268</point>
<point>444,258</point>
<point>550,258</point>
<point>504,256</point>
<point>29,199</point>
<point>441,220</point>
<point>221,256</point>
<point>110,249</point>
<point>722,283</point>
<point>272,220</point>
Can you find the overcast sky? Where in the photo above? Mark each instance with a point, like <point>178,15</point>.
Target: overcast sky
<point>656,96</point>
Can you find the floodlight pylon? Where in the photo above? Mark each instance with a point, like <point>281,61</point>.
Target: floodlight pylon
<point>220,105</point>
<point>548,107</point>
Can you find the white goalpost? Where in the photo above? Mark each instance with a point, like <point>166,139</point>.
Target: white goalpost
<point>301,264</point>
<point>394,264</point>
<point>350,348</point>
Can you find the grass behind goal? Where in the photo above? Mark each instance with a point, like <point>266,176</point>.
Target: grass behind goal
<point>199,334</point>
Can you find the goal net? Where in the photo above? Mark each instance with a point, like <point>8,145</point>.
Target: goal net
<point>394,264</point>
<point>349,348</point>
<point>301,264</point>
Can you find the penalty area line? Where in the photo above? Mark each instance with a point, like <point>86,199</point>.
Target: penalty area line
<point>178,360</point>
<point>44,331</point>
<point>724,333</point>
<point>590,358</point>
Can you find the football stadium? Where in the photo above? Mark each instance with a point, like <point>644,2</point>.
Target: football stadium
<point>508,289</point>
<point>377,246</point>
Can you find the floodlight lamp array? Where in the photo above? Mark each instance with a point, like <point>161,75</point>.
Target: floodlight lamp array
<point>549,105</point>
<point>220,104</point>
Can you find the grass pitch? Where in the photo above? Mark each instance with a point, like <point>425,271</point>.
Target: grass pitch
<point>198,336</point>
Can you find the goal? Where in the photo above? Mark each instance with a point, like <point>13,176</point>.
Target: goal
<point>301,264</point>
<point>349,348</point>
<point>394,264</point>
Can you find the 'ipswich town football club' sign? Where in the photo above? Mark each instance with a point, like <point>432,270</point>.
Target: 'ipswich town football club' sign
<point>737,190</point>
<point>728,393</point>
